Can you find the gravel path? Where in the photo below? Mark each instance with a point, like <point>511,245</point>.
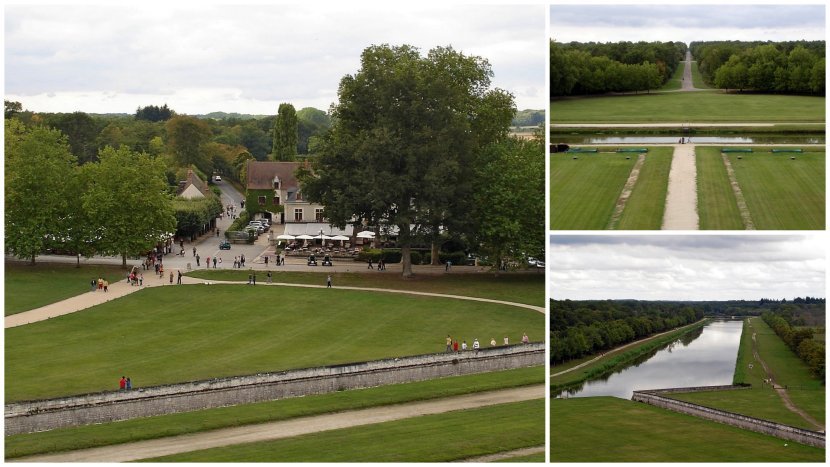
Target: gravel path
<point>681,199</point>
<point>687,82</point>
<point>289,428</point>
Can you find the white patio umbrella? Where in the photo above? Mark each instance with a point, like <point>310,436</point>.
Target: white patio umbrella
<point>365,234</point>
<point>286,237</point>
<point>304,237</point>
<point>340,237</point>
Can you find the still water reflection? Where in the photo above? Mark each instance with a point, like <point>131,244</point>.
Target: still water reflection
<point>750,139</point>
<point>705,357</point>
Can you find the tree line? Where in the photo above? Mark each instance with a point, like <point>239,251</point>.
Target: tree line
<point>578,68</point>
<point>581,328</point>
<point>800,341</point>
<point>776,67</point>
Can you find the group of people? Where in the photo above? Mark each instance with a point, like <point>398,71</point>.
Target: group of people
<point>238,262</point>
<point>381,264</point>
<point>125,384</point>
<point>100,284</point>
<point>452,344</point>
<point>135,278</point>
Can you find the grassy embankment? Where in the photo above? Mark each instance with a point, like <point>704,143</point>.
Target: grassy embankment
<point>681,107</point>
<point>613,359</point>
<point>528,288</point>
<point>69,439</point>
<point>430,438</point>
<point>608,429</point>
<point>224,330</point>
<point>584,192</point>
<point>29,287</point>
<point>806,392</point>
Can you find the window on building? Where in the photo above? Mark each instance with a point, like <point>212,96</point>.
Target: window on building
<point>318,214</point>
<point>261,201</point>
<point>299,196</point>
<point>298,214</point>
<point>276,200</point>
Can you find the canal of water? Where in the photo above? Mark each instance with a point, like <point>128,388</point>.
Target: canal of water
<point>749,139</point>
<point>704,357</point>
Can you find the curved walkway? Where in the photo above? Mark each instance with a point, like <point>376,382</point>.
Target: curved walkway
<point>288,428</point>
<point>121,288</point>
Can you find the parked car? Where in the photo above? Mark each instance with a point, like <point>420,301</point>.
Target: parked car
<point>225,245</point>
<point>217,178</point>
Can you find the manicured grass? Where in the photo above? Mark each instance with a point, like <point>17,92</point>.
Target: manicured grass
<point>538,457</point>
<point>703,106</point>
<point>585,191</point>
<point>697,78</point>
<point>644,209</point>
<point>89,436</point>
<point>674,83</point>
<point>173,334</point>
<point>430,438</point>
<point>717,207</point>
<point>608,429</point>
<point>762,401</point>
<point>522,287</point>
<point>29,287</point>
<point>783,194</point>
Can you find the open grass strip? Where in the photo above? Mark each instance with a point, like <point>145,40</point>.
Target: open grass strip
<point>644,209</point>
<point>29,287</point>
<point>603,367</point>
<point>583,192</point>
<point>716,204</point>
<point>70,439</point>
<point>430,438</point>
<point>522,287</point>
<point>693,107</point>
<point>174,334</point>
<point>609,429</point>
<point>783,193</point>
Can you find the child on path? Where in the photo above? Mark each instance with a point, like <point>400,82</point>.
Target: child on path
<point>492,342</point>
<point>525,339</point>
<point>506,341</point>
<point>328,282</point>
<point>455,346</point>
<point>464,345</point>
<point>140,280</point>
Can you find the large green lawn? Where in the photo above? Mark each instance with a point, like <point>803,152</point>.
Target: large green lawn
<point>762,401</point>
<point>89,436</point>
<point>430,438</point>
<point>717,207</point>
<point>644,209</point>
<point>521,287</point>
<point>584,191</point>
<point>608,429</point>
<point>29,287</point>
<point>703,106</point>
<point>783,194</point>
<point>697,78</point>
<point>183,333</point>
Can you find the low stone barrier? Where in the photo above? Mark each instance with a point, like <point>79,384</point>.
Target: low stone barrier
<point>102,407</point>
<point>790,433</point>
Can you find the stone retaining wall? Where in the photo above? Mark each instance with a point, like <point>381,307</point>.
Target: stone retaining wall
<point>43,415</point>
<point>652,397</point>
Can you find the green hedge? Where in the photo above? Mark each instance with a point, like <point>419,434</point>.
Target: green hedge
<point>239,223</point>
<point>193,214</point>
<point>417,257</point>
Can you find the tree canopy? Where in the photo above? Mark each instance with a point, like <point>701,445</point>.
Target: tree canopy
<point>285,134</point>
<point>406,130</point>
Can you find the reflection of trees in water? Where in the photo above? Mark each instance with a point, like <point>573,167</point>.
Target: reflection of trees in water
<point>683,340</point>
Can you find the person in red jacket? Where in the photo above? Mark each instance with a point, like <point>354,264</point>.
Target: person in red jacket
<point>123,383</point>
<point>455,346</point>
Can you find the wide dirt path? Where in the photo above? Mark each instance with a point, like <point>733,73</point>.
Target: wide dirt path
<point>681,198</point>
<point>688,84</point>
<point>289,428</point>
<point>121,288</point>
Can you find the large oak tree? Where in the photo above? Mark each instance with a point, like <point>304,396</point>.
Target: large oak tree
<point>407,130</point>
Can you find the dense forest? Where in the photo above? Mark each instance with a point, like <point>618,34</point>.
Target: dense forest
<point>580,328</point>
<point>578,68</point>
<point>782,67</point>
<point>783,320</point>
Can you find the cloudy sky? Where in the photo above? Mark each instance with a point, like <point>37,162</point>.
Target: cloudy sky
<point>686,23</point>
<point>248,59</point>
<point>686,267</point>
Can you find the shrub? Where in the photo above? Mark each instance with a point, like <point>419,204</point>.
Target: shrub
<point>389,256</point>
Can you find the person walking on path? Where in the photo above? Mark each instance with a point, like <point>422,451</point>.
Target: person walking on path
<point>207,262</point>
<point>254,276</point>
<point>492,342</point>
<point>370,264</point>
<point>171,277</point>
<point>449,343</point>
<point>100,283</point>
<point>268,280</point>
<point>476,345</point>
<point>140,280</point>
<point>455,346</point>
<point>266,261</point>
<point>214,262</point>
<point>106,285</point>
<point>242,260</point>
<point>129,384</point>
<point>197,260</point>
<point>464,345</point>
<point>123,383</point>
<point>506,341</point>
<point>525,339</point>
<point>179,278</point>
<point>328,282</point>
<point>217,233</point>
<point>194,251</point>
<point>92,285</point>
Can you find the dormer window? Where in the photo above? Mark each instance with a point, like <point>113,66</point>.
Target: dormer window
<point>276,183</point>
